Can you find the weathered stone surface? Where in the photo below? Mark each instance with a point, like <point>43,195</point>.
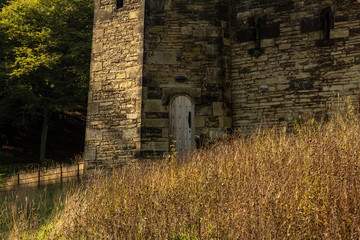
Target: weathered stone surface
<point>163,58</point>
<point>307,70</point>
<point>187,30</point>
<point>339,33</point>
<point>284,46</point>
<point>242,64</point>
<point>155,146</point>
<point>199,121</point>
<point>218,109</point>
<point>155,123</point>
<point>194,42</point>
<point>114,110</point>
<point>225,122</point>
<point>153,105</point>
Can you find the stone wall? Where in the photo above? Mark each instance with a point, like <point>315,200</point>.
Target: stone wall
<point>243,63</point>
<point>296,70</point>
<point>114,106</point>
<point>191,39</point>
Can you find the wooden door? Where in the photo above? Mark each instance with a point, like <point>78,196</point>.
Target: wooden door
<point>182,129</point>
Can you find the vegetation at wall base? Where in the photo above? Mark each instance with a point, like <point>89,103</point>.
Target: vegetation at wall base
<point>271,185</point>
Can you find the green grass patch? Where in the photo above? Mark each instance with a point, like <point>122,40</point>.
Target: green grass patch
<point>25,211</point>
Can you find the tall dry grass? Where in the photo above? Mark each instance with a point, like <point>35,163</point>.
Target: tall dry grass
<point>271,185</point>
<point>25,211</point>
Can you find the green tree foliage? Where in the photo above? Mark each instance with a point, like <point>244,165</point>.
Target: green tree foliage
<point>2,2</point>
<point>45,57</point>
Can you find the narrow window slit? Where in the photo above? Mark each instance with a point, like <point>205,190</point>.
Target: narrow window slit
<point>259,23</point>
<point>326,26</point>
<point>327,23</point>
<point>119,3</point>
<point>257,35</point>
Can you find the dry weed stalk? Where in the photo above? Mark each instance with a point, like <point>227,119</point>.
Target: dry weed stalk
<point>271,185</point>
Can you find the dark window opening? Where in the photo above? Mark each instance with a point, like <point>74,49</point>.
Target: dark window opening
<point>327,23</point>
<point>259,23</point>
<point>326,26</point>
<point>119,3</point>
<point>257,35</point>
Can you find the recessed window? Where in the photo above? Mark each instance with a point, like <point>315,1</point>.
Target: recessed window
<point>119,3</point>
<point>326,26</point>
<point>327,22</point>
<point>258,34</point>
<point>258,25</point>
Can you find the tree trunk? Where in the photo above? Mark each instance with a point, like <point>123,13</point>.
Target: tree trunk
<point>44,135</point>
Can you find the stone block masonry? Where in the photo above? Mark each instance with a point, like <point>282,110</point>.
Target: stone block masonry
<point>238,64</point>
<point>299,70</point>
<point>185,38</point>
<point>114,112</point>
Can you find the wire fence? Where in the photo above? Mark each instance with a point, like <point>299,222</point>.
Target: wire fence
<point>43,177</point>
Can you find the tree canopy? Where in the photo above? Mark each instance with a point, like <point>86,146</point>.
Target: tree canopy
<point>45,48</point>
<point>2,2</point>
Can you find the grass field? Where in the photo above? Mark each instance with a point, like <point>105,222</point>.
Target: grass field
<point>274,184</point>
<point>23,212</point>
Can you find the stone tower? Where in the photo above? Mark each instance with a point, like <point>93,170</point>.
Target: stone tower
<point>159,75</point>
<point>181,71</point>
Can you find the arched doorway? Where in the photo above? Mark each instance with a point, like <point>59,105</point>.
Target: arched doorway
<point>182,123</point>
